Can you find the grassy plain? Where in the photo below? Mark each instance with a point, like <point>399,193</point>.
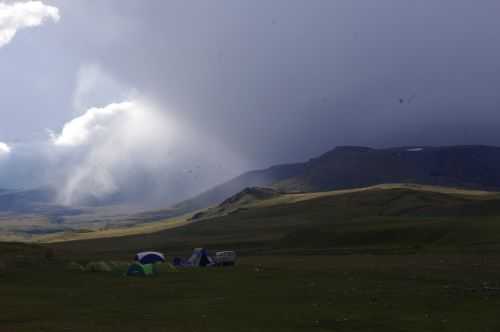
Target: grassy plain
<point>395,259</point>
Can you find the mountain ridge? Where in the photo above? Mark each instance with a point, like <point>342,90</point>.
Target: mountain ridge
<point>344,167</point>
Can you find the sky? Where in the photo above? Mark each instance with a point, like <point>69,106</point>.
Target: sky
<point>104,97</point>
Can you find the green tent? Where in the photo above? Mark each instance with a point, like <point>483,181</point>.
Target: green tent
<point>140,270</point>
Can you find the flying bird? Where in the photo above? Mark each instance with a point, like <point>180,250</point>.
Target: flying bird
<point>409,100</point>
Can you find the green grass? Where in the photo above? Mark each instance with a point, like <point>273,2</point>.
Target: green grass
<point>265,293</point>
<point>378,260</point>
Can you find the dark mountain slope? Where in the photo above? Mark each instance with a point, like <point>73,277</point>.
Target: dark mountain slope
<point>251,179</point>
<point>34,201</point>
<point>347,167</point>
<point>475,167</point>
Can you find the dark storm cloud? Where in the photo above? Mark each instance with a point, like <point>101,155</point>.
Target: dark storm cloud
<point>283,80</point>
<point>277,80</point>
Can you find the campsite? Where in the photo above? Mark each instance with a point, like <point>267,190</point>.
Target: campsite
<point>440,274</point>
<point>249,166</point>
<point>264,293</point>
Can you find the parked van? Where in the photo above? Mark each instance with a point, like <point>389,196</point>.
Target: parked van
<point>224,258</point>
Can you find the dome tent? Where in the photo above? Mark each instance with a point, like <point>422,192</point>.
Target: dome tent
<point>200,258</point>
<point>149,257</point>
<point>140,270</point>
<point>144,264</point>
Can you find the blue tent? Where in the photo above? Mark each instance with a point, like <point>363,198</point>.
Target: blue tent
<point>149,257</point>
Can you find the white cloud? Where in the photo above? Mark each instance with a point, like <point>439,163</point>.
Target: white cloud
<point>21,15</point>
<point>123,152</point>
<point>4,149</point>
<point>107,145</point>
<point>93,123</point>
<point>130,151</point>
<point>132,148</point>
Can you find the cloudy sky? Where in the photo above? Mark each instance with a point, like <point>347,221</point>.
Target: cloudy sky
<point>100,95</point>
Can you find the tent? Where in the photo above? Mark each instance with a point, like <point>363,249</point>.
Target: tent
<point>140,270</point>
<point>98,267</point>
<point>149,257</point>
<point>200,258</point>
<point>179,262</point>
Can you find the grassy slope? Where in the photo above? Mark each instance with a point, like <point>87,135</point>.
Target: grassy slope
<point>441,275</point>
<point>389,218</point>
<point>146,228</point>
<point>248,203</point>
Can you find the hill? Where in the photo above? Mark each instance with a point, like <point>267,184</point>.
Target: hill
<point>31,201</point>
<point>472,167</point>
<point>25,215</point>
<point>386,218</point>
<point>247,197</point>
